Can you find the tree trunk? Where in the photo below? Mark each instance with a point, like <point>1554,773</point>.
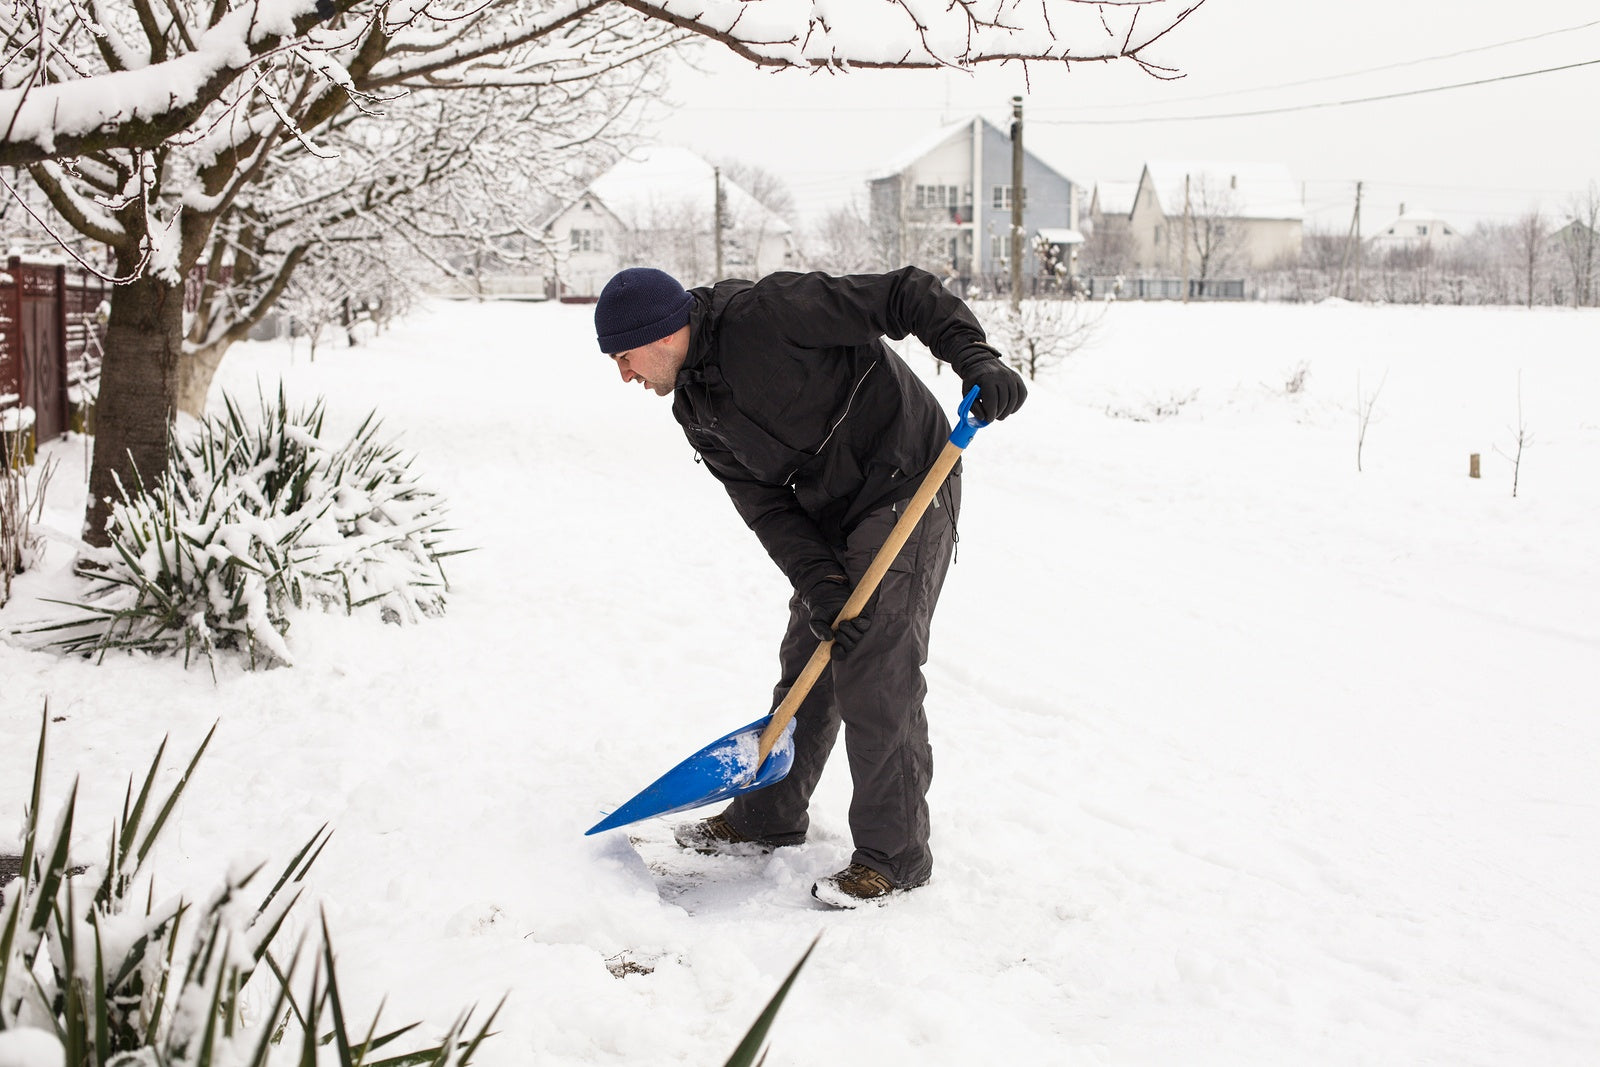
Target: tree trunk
<point>195,374</point>
<point>138,393</point>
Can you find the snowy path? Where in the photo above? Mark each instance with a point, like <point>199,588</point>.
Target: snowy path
<point>1241,757</point>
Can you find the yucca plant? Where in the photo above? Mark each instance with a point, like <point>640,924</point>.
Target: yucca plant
<point>22,495</point>
<point>123,980</point>
<point>252,520</point>
<point>751,1047</point>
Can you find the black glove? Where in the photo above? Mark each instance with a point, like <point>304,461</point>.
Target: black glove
<point>1001,390</point>
<point>825,600</point>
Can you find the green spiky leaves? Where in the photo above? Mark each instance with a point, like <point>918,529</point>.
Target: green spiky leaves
<point>252,520</point>
<point>121,978</point>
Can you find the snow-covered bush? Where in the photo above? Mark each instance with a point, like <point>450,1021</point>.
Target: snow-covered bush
<point>1042,332</point>
<point>22,493</point>
<point>252,520</point>
<point>91,959</point>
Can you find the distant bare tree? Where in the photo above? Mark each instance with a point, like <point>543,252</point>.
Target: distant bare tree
<point>1041,333</point>
<point>1531,233</point>
<point>1107,249</point>
<point>769,189</point>
<point>674,236</point>
<point>842,243</point>
<point>1578,242</point>
<point>919,233</point>
<point>1214,233</point>
<point>1323,250</point>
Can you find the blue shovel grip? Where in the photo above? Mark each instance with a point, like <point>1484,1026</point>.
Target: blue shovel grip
<point>967,424</point>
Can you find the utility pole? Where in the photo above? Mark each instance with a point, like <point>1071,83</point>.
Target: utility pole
<point>716,176</point>
<point>1016,203</point>
<point>1358,240</point>
<point>1352,242</point>
<point>1187,236</point>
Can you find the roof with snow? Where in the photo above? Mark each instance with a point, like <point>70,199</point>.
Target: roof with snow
<point>902,160</point>
<point>893,166</point>
<point>663,178</point>
<point>1115,198</point>
<point>1419,215</point>
<point>1249,190</point>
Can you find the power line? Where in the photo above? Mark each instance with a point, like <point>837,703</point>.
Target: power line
<point>1314,107</point>
<point>1044,108</point>
<point>1337,77</point>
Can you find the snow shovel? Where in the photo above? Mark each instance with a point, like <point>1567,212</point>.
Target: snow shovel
<point>739,762</point>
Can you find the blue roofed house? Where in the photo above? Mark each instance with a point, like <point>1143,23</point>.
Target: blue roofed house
<point>944,204</point>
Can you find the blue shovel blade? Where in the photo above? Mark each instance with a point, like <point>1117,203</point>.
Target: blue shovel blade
<point>720,770</point>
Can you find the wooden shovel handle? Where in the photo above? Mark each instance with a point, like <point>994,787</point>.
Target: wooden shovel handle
<point>931,482</point>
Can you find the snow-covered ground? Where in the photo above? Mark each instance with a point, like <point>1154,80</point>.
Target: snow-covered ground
<point>1243,757</point>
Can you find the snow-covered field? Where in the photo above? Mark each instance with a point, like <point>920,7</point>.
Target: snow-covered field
<point>1243,757</point>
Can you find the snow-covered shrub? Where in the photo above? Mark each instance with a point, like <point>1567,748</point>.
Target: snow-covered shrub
<point>22,493</point>
<point>1042,332</point>
<point>120,978</point>
<point>253,520</point>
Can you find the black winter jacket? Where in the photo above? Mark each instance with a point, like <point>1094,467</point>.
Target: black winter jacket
<point>794,402</point>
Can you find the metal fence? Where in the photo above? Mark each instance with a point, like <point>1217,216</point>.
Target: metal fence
<point>1124,288</point>
<point>1121,287</point>
<point>51,341</point>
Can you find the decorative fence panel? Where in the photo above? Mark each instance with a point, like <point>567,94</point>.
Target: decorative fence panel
<point>52,332</point>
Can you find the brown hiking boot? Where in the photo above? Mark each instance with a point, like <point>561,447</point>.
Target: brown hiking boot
<point>856,885</point>
<point>717,835</point>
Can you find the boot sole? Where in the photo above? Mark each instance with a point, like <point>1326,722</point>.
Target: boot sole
<point>835,897</point>
<point>759,847</point>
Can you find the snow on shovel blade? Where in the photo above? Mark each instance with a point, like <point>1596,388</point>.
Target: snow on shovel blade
<point>720,770</point>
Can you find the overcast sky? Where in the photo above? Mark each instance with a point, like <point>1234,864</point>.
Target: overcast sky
<point>1492,151</point>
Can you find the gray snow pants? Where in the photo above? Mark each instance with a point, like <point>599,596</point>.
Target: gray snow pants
<point>876,692</point>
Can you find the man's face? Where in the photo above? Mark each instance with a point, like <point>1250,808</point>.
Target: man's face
<point>655,365</point>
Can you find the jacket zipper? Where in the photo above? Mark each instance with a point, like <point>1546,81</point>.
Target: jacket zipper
<point>851,399</point>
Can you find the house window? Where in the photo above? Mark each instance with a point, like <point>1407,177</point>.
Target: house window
<point>1002,197</point>
<point>586,241</point>
<point>936,196</point>
<point>1422,231</point>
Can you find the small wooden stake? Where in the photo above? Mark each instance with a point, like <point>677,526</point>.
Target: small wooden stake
<point>1472,466</point>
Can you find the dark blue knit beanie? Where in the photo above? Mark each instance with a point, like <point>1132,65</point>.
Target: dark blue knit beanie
<point>637,306</point>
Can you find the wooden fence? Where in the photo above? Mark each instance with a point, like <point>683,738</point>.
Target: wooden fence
<point>52,335</point>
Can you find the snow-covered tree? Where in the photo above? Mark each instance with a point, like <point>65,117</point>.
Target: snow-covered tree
<point>443,172</point>
<point>150,126</point>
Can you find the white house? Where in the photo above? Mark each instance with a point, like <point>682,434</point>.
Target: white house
<point>1111,204</point>
<point>944,203</point>
<point>1414,230</point>
<point>658,208</point>
<point>1228,216</point>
